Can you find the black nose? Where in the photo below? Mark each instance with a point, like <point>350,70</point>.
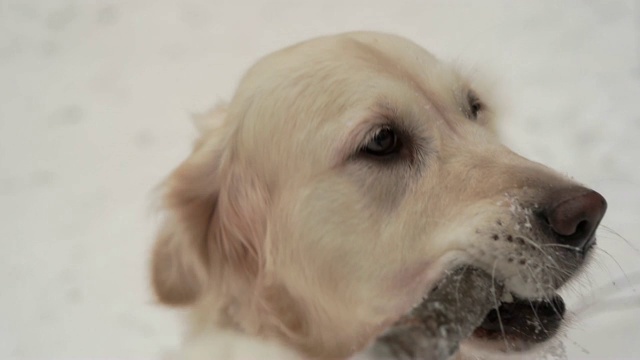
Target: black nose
<point>575,216</point>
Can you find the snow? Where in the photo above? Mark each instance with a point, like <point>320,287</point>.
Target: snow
<point>96,97</point>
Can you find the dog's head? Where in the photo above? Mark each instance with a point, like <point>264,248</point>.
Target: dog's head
<point>345,176</point>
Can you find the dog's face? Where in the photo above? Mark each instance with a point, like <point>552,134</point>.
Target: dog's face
<point>346,175</point>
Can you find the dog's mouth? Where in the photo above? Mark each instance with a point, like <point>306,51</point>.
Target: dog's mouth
<point>517,324</point>
<point>469,304</point>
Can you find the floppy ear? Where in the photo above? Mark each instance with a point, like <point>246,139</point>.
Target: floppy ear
<point>180,258</point>
<point>215,219</point>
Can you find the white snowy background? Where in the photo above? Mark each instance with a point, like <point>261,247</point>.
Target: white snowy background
<point>95,102</point>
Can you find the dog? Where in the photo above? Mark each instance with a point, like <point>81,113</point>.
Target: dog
<point>346,175</point>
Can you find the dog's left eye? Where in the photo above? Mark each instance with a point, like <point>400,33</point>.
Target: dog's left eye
<point>475,105</point>
<point>384,142</point>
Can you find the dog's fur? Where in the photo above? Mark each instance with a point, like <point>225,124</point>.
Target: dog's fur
<point>281,232</point>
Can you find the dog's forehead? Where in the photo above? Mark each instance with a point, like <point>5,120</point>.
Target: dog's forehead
<point>330,74</point>
<point>308,96</point>
<point>353,58</point>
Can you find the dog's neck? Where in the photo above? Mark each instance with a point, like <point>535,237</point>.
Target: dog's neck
<point>271,313</point>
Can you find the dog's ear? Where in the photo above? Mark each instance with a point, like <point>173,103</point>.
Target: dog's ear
<point>214,220</point>
<point>180,259</point>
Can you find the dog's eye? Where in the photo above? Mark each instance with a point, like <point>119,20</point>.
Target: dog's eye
<point>475,105</point>
<point>384,142</point>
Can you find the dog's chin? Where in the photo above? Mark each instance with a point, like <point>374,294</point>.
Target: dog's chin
<point>519,324</point>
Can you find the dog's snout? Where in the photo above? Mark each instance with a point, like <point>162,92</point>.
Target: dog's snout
<point>575,217</point>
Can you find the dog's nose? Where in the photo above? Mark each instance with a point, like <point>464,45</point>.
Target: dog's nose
<point>575,217</point>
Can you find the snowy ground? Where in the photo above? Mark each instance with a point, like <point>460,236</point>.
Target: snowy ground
<point>95,98</point>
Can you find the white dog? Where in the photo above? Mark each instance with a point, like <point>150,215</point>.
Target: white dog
<point>347,173</point>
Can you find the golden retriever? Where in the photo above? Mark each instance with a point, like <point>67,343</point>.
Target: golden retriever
<point>345,176</point>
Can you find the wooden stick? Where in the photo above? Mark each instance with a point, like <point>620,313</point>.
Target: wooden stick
<point>434,329</point>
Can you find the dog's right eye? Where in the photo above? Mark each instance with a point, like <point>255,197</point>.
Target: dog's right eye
<point>475,105</point>
<point>384,142</point>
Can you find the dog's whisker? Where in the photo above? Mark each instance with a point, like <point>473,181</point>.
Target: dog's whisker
<point>546,290</point>
<point>535,312</point>
<point>497,304</point>
<point>457,292</point>
<point>540,248</point>
<point>552,304</point>
<point>534,244</point>
<point>600,263</point>
<point>562,246</point>
<point>601,294</point>
<point>581,286</point>
<point>554,264</point>
<point>611,231</point>
<point>615,261</point>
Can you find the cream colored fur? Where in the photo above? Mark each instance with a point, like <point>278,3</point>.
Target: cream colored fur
<point>278,234</point>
